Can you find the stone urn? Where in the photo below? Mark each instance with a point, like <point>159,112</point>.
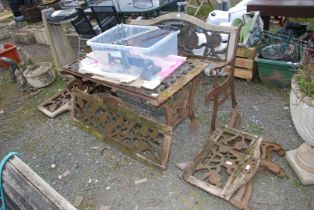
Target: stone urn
<point>39,75</point>
<point>302,112</point>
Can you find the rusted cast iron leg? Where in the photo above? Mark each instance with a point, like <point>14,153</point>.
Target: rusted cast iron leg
<point>242,197</point>
<point>273,167</point>
<point>190,103</point>
<point>268,147</point>
<point>232,93</point>
<point>215,111</point>
<point>180,106</point>
<point>234,119</point>
<point>235,115</point>
<point>227,87</point>
<point>266,163</point>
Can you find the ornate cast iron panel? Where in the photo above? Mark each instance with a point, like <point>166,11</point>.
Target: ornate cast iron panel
<point>108,118</point>
<point>180,106</point>
<point>228,158</point>
<point>197,38</point>
<point>227,163</point>
<point>198,42</point>
<point>57,104</point>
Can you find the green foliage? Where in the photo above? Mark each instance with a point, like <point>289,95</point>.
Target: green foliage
<point>305,76</point>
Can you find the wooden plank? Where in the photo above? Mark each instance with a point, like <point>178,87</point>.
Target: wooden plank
<point>204,186</point>
<point>22,192</point>
<point>244,73</point>
<point>33,188</point>
<point>246,52</point>
<point>10,204</point>
<point>244,63</point>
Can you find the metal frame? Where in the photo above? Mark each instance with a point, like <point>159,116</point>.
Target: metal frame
<point>226,165</point>
<point>175,94</point>
<point>216,57</point>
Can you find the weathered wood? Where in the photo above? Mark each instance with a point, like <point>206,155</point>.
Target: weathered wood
<point>60,46</point>
<point>247,74</point>
<point>27,190</point>
<point>244,63</point>
<point>180,83</point>
<point>246,52</point>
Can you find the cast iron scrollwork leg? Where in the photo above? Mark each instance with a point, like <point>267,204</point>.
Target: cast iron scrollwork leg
<point>180,106</point>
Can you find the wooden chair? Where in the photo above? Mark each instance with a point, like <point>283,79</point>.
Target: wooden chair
<point>212,49</point>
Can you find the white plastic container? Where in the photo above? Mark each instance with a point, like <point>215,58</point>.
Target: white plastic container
<point>134,50</point>
<point>136,40</point>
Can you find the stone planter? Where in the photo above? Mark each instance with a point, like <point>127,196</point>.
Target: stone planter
<point>39,75</point>
<point>302,113</point>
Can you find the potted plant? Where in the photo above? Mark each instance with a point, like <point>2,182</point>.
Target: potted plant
<point>302,113</point>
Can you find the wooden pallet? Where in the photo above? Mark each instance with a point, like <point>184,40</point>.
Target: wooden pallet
<point>245,64</point>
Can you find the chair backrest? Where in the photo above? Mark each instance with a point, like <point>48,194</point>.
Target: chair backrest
<point>82,24</point>
<point>199,39</point>
<point>106,16</point>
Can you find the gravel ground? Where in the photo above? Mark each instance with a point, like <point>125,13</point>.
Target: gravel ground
<point>105,177</point>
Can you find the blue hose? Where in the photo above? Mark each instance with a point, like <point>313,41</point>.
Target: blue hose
<point>3,162</point>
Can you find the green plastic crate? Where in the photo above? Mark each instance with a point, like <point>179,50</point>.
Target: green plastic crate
<point>275,73</point>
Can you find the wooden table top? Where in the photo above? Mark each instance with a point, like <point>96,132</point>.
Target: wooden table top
<point>288,8</point>
<point>171,85</point>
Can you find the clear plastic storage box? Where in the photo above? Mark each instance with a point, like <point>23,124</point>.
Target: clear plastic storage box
<point>147,40</point>
<point>134,47</point>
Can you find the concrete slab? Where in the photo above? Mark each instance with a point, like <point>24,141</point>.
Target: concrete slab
<point>305,177</point>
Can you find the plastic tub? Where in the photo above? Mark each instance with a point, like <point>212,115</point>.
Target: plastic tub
<point>134,50</point>
<point>275,73</point>
<point>138,40</point>
<point>9,51</point>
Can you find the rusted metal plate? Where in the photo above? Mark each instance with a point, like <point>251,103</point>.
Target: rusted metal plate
<point>108,118</point>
